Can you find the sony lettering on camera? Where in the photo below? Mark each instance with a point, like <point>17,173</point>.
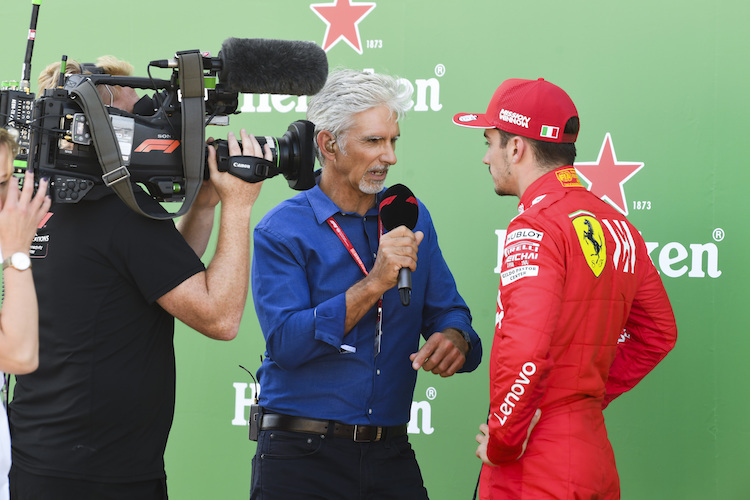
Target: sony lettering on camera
<point>68,135</point>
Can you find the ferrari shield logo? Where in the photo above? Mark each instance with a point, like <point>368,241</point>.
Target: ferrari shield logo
<point>591,238</point>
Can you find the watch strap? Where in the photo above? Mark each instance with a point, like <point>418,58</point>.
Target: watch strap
<point>8,262</point>
<point>466,337</point>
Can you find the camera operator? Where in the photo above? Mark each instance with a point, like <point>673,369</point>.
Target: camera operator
<point>93,420</point>
<point>20,214</point>
<point>124,98</point>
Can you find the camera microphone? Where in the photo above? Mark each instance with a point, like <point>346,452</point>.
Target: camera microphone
<point>267,66</point>
<point>399,208</point>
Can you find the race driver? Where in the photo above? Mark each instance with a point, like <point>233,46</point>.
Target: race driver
<point>582,315</point>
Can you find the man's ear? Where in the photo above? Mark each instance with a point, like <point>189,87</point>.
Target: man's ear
<point>327,144</point>
<point>518,148</point>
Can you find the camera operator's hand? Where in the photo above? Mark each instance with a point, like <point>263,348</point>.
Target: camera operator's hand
<point>230,188</point>
<point>207,197</point>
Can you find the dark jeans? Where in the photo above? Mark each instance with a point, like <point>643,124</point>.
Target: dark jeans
<point>293,465</point>
<point>27,486</point>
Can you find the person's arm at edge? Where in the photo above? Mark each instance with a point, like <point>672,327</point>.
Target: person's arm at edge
<point>19,317</point>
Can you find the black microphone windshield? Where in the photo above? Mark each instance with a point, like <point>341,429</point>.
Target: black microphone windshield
<point>265,66</point>
<point>399,208</point>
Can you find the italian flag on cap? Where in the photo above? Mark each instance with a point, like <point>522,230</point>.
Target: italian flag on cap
<point>549,132</point>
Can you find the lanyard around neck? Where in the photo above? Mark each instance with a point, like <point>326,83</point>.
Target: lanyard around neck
<point>348,244</point>
<point>353,252</point>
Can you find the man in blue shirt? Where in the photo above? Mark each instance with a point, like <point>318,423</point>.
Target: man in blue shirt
<point>342,352</point>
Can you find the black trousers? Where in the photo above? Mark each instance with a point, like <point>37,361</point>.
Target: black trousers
<point>294,465</point>
<point>27,486</point>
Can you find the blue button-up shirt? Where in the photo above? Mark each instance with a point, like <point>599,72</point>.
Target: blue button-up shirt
<point>300,274</point>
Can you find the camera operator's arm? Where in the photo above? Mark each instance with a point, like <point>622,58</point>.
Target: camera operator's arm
<point>20,214</point>
<point>212,301</point>
<point>196,225</point>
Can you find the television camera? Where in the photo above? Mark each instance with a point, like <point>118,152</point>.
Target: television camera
<point>84,147</point>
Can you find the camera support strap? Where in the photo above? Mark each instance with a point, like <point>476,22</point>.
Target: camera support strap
<point>116,175</point>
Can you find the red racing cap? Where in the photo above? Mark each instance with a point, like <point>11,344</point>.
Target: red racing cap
<point>536,109</point>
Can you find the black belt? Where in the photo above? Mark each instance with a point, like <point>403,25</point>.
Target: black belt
<point>357,433</point>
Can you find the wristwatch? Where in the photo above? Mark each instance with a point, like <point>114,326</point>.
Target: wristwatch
<point>18,260</point>
<point>467,338</point>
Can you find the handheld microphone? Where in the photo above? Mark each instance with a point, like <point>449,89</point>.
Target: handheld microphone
<point>399,208</point>
<point>266,66</point>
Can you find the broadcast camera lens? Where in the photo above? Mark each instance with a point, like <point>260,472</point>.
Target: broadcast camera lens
<point>292,156</point>
<point>297,156</point>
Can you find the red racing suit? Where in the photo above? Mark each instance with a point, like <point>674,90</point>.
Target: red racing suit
<point>582,317</point>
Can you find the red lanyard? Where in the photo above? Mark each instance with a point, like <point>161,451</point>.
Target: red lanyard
<point>353,252</point>
<point>348,244</point>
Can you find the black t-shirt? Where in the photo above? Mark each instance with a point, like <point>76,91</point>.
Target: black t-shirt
<point>101,403</point>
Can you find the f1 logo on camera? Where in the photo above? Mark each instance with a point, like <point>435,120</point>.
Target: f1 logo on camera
<point>166,145</point>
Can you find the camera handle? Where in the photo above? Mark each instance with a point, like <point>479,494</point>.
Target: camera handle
<point>252,169</point>
<point>116,175</point>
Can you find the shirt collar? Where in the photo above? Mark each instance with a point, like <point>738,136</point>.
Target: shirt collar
<point>324,208</point>
<point>556,180</point>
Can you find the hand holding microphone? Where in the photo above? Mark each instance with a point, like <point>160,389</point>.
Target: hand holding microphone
<point>399,208</point>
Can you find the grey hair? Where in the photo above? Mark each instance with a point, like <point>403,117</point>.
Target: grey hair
<point>348,92</point>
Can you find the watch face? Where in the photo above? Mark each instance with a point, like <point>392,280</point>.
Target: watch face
<point>20,261</point>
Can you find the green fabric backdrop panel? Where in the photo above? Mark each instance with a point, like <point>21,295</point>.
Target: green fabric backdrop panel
<point>662,92</point>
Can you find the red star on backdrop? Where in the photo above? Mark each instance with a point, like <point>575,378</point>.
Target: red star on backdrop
<point>606,176</point>
<point>342,18</point>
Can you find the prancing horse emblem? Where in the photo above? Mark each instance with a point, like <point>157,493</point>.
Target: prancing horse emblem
<point>589,235</point>
<point>591,239</point>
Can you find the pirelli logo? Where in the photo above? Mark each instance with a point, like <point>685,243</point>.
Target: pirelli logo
<point>521,254</point>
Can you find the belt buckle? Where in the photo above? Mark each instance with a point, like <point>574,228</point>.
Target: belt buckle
<point>357,439</point>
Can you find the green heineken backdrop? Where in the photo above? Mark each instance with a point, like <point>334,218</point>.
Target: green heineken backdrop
<point>661,88</point>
